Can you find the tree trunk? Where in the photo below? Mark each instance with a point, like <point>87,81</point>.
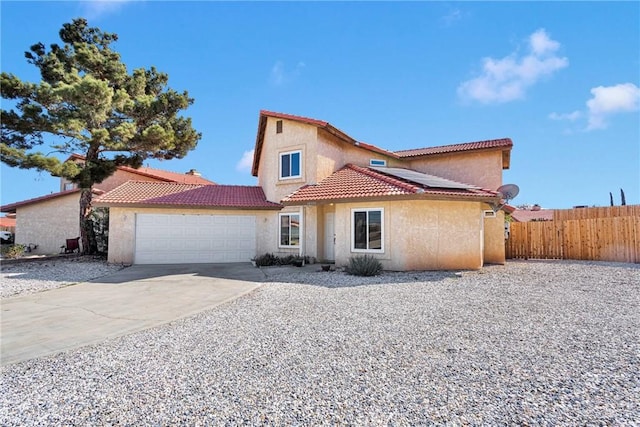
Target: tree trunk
<point>87,234</point>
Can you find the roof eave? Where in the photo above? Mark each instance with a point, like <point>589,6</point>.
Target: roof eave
<point>400,197</point>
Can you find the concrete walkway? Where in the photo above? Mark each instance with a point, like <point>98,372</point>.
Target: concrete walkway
<point>135,298</point>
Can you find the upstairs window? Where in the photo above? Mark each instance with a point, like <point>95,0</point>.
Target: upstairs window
<point>289,230</point>
<point>290,165</point>
<point>69,186</point>
<point>367,230</point>
<point>377,162</point>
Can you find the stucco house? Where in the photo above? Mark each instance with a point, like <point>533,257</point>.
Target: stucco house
<point>44,223</point>
<point>323,194</point>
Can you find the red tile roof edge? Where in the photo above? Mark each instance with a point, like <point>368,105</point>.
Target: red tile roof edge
<point>149,172</point>
<point>11,207</point>
<point>465,146</point>
<point>409,190</point>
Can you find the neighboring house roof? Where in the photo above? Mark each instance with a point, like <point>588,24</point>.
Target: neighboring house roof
<point>190,177</point>
<point>355,182</point>
<point>7,222</point>
<point>524,215</point>
<point>144,193</point>
<point>505,143</point>
<point>11,208</point>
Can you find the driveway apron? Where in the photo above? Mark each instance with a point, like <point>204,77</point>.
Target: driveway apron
<point>133,299</point>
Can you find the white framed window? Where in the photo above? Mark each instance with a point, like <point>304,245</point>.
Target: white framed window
<point>377,162</point>
<point>367,230</point>
<point>69,186</point>
<point>291,164</point>
<point>289,230</point>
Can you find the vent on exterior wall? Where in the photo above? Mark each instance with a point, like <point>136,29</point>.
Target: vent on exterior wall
<point>489,214</point>
<point>377,162</point>
<point>279,126</point>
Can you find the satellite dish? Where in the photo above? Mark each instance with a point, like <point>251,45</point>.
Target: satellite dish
<point>508,191</point>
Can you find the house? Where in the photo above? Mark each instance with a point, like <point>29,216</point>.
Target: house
<point>45,222</point>
<point>8,223</point>
<point>534,213</point>
<point>323,194</point>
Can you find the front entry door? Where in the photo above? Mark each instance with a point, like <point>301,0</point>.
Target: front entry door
<point>329,236</point>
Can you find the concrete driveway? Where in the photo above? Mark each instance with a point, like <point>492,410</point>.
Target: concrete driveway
<point>132,299</point>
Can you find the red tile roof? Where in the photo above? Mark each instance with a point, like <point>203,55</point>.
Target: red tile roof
<point>469,146</point>
<point>132,192</point>
<point>7,222</point>
<point>355,182</point>
<point>142,193</point>
<point>11,208</point>
<point>168,176</point>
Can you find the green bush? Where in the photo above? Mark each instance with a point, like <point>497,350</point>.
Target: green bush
<point>265,260</point>
<point>366,265</point>
<point>13,251</point>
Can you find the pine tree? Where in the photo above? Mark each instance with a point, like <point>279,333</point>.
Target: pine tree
<point>88,103</point>
<point>623,201</point>
<point>611,198</point>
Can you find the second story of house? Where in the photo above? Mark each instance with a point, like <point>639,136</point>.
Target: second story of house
<point>144,173</point>
<point>293,151</point>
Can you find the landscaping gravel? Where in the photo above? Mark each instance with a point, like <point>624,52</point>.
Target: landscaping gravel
<point>29,277</point>
<point>529,343</point>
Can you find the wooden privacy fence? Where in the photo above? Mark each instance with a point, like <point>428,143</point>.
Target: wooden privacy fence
<point>601,234</point>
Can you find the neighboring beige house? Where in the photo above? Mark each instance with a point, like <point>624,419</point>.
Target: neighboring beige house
<point>44,223</point>
<point>325,195</point>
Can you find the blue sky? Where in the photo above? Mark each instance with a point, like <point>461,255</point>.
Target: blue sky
<point>561,79</point>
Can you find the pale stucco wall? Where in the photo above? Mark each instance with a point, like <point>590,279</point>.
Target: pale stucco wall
<point>122,224</point>
<point>49,223</point>
<point>494,238</point>
<point>483,169</point>
<point>294,136</point>
<point>420,235</point>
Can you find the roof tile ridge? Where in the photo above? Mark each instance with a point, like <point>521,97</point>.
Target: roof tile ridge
<point>293,117</point>
<point>385,178</point>
<point>455,145</point>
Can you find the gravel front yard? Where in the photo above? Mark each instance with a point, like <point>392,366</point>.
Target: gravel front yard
<point>529,343</point>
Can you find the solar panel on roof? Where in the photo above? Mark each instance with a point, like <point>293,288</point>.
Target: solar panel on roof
<point>424,179</point>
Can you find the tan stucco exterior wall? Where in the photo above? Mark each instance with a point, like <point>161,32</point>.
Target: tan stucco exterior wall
<point>483,169</point>
<point>494,238</point>
<point>295,136</point>
<point>420,235</point>
<point>122,224</point>
<point>49,223</point>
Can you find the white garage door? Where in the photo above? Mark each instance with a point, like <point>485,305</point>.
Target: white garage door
<point>180,239</point>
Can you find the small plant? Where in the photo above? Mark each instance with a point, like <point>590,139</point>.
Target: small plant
<point>265,260</point>
<point>13,251</point>
<point>366,265</point>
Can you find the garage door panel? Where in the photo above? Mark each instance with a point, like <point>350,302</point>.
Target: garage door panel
<point>178,239</point>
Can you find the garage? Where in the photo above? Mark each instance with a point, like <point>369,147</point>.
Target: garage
<point>182,239</point>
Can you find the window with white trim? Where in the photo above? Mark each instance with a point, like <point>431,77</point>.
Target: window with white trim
<point>377,162</point>
<point>289,230</point>
<point>367,230</point>
<point>290,165</point>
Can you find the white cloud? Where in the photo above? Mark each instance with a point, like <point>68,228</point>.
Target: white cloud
<point>280,75</point>
<point>96,8</point>
<point>507,79</point>
<point>606,101</point>
<point>566,116</point>
<point>610,100</point>
<point>246,162</point>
